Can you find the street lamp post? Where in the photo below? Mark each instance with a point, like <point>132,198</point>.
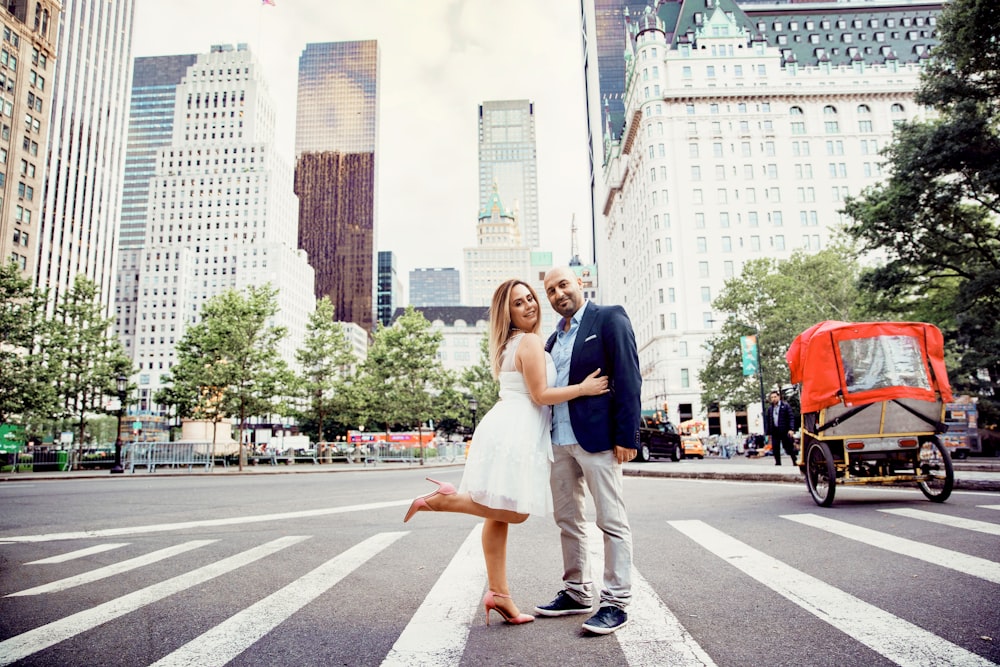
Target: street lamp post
<point>473,406</point>
<point>122,385</point>
<point>760,371</point>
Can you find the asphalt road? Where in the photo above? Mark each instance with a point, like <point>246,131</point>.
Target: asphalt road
<point>319,570</point>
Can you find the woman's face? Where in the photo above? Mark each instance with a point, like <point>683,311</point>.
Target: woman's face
<point>523,308</point>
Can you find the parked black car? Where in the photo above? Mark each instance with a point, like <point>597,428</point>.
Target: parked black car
<point>658,439</point>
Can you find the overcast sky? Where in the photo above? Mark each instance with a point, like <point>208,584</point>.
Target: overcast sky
<point>439,60</point>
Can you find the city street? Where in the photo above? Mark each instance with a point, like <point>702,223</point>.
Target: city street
<point>318,569</point>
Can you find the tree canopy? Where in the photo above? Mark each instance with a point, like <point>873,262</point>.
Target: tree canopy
<point>935,217</point>
<point>778,300</point>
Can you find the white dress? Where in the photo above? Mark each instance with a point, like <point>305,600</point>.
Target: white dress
<point>511,451</point>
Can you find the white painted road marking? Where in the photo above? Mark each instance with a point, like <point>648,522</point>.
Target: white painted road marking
<point>79,553</point>
<point>654,636</point>
<point>27,643</point>
<point>437,633</point>
<point>954,560</point>
<point>113,569</point>
<point>944,519</point>
<point>898,640</point>
<point>231,637</point>
<point>231,521</point>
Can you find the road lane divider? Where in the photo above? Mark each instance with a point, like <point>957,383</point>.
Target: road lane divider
<point>28,643</point>
<point>113,569</point>
<point>888,635</point>
<point>437,633</point>
<point>233,636</point>
<point>953,560</point>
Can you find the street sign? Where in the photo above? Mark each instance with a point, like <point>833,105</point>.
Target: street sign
<point>750,354</point>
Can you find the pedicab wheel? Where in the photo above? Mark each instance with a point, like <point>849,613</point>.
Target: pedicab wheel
<point>936,463</point>
<point>821,473</point>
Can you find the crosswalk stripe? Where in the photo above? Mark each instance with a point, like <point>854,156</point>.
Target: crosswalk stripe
<point>235,635</point>
<point>954,560</point>
<point>27,643</point>
<point>944,519</point>
<point>79,553</point>
<point>990,507</point>
<point>438,631</point>
<point>113,569</point>
<point>654,636</point>
<point>890,636</point>
<point>205,523</point>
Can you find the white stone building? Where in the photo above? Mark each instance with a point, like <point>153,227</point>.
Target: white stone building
<point>222,215</point>
<point>745,129</point>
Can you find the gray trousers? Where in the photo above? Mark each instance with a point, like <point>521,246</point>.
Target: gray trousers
<point>571,468</point>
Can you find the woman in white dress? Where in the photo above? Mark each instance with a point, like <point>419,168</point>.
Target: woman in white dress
<point>507,474</point>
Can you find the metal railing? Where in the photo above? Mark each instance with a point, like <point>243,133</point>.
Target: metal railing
<point>171,455</point>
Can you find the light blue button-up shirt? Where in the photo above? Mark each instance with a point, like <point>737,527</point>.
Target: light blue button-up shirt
<point>562,355</point>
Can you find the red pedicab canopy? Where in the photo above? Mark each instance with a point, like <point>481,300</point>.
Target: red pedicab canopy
<point>865,362</point>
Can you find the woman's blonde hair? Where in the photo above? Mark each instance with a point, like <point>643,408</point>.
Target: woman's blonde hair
<point>500,324</point>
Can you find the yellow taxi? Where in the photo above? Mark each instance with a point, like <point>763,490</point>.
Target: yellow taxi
<point>692,447</point>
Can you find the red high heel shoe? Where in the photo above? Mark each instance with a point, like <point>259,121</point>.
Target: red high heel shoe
<point>491,605</point>
<point>444,489</point>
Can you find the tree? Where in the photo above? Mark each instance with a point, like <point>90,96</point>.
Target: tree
<point>480,382</point>
<point>327,361</point>
<point>26,388</point>
<point>85,354</point>
<point>402,373</point>
<point>228,363</point>
<point>781,300</point>
<point>935,218</point>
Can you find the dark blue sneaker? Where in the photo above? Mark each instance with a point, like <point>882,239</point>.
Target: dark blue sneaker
<point>606,620</point>
<point>563,605</point>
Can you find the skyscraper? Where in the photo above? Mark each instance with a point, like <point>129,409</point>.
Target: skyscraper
<point>335,172</point>
<point>435,287</point>
<point>150,127</point>
<point>25,92</point>
<point>86,156</point>
<point>499,252</point>
<point>508,164</point>
<point>222,214</point>
<point>390,287</point>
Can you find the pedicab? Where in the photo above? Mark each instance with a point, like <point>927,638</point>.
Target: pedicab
<point>872,396</point>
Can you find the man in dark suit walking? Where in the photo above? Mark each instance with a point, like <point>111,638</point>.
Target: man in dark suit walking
<point>592,436</point>
<point>779,426</point>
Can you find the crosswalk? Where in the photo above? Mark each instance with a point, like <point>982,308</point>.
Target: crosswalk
<point>438,633</point>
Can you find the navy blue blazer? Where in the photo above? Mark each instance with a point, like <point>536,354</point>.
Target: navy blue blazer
<point>605,340</point>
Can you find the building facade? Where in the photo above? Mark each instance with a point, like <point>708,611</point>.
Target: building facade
<point>390,287</point>
<point>435,287</point>
<point>27,65</point>
<point>221,215</point>
<point>85,161</point>
<point>508,162</point>
<point>150,127</point>
<point>499,253</point>
<point>335,173</point>
<point>745,130</point>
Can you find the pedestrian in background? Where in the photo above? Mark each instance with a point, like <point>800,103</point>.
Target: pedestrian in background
<point>779,427</point>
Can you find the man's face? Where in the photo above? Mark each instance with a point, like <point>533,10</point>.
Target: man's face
<point>774,399</point>
<point>564,291</point>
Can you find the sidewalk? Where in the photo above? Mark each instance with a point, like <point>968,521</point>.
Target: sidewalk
<point>971,474</point>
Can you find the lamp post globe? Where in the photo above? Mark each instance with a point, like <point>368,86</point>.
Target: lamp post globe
<point>121,384</point>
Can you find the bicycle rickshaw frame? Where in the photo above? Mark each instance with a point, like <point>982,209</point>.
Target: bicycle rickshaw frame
<point>873,396</point>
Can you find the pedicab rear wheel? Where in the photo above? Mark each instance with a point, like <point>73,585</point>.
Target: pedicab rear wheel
<point>821,473</point>
<point>936,462</point>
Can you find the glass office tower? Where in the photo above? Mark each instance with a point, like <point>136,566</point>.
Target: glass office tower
<point>335,173</point>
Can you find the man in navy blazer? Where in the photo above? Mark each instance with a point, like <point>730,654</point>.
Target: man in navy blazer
<point>592,436</point>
